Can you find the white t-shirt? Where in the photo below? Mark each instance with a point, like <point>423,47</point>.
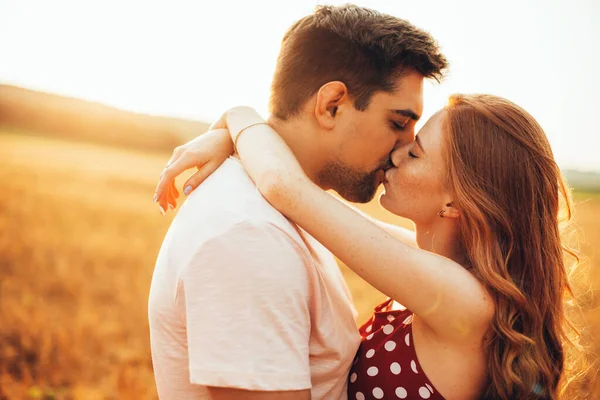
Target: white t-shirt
<point>243,298</point>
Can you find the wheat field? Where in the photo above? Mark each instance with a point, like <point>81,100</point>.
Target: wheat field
<point>79,235</point>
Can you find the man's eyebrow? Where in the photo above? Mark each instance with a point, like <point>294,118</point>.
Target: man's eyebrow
<point>407,113</point>
<point>418,142</point>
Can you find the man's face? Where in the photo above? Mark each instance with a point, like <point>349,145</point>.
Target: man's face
<point>367,138</point>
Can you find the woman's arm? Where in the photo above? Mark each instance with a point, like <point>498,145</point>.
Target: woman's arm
<point>406,236</point>
<point>447,297</point>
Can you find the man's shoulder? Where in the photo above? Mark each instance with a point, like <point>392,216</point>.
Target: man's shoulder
<point>229,201</point>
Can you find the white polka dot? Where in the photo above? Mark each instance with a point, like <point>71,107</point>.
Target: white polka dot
<point>369,328</point>
<point>378,393</point>
<point>390,317</point>
<point>388,329</point>
<point>370,336</point>
<point>360,396</point>
<point>372,371</point>
<point>353,377</point>
<point>395,368</point>
<point>370,353</point>
<point>424,392</point>
<point>408,320</point>
<point>413,366</point>
<point>429,387</point>
<point>401,392</point>
<point>390,345</point>
<point>407,339</point>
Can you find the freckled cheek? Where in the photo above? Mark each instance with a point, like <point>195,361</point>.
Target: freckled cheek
<point>405,176</point>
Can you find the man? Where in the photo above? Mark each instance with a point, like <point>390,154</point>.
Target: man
<point>243,303</point>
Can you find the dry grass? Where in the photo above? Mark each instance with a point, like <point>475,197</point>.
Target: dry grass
<point>78,240</point>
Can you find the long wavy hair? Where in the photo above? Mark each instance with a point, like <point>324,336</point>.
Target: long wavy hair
<point>514,203</point>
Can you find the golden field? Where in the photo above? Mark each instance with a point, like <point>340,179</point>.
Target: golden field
<point>78,239</point>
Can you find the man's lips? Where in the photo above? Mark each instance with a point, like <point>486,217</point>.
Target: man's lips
<point>380,176</point>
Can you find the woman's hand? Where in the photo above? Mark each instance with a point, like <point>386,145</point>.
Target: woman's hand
<point>206,152</point>
<point>268,160</point>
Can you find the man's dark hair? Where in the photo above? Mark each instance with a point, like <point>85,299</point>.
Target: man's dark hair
<point>363,48</point>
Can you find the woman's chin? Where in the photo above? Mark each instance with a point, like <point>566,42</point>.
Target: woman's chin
<point>390,203</point>
<point>385,200</point>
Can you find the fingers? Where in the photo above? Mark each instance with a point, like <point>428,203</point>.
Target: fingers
<point>163,202</point>
<point>177,152</point>
<point>203,172</point>
<point>167,200</point>
<point>184,160</point>
<point>163,181</point>
<point>171,196</point>
<point>166,193</point>
<point>174,190</point>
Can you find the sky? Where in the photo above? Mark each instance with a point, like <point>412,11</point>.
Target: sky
<point>195,59</point>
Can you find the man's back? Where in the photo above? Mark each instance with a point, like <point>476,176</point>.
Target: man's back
<point>242,298</point>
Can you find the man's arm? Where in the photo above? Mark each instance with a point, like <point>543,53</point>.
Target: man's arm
<point>247,317</point>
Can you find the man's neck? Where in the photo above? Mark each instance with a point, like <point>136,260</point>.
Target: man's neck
<point>299,134</point>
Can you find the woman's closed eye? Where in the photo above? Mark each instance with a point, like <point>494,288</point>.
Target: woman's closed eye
<point>411,154</point>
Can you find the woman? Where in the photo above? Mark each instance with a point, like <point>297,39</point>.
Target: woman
<point>483,288</point>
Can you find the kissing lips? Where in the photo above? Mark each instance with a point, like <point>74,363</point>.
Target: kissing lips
<point>386,176</point>
<point>380,177</point>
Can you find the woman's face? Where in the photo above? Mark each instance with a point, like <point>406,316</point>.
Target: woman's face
<point>414,187</point>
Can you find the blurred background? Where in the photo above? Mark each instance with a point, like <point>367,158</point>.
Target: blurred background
<point>94,96</point>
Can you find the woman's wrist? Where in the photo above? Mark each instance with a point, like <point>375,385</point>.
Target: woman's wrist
<point>239,118</point>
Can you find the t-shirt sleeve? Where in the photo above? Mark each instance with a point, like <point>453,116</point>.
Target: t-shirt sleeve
<point>247,316</point>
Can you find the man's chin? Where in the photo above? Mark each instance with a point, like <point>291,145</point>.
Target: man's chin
<point>359,196</point>
<point>351,185</point>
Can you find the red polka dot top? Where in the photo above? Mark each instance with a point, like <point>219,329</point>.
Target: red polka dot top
<point>386,365</point>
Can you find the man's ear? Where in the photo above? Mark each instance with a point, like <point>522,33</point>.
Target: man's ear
<point>330,97</point>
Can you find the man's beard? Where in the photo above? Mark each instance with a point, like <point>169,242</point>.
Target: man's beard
<point>353,185</point>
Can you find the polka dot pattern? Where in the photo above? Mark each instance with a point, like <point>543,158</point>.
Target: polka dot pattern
<point>401,393</point>
<point>390,345</point>
<point>386,366</point>
<point>413,366</point>
<point>424,392</point>
<point>388,329</point>
<point>378,393</point>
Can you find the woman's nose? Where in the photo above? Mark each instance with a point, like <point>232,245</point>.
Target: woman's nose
<point>396,156</point>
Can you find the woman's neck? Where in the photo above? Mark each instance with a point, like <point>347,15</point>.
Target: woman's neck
<point>441,237</point>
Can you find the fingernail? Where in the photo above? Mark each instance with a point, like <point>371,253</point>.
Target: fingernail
<point>187,190</point>
<point>171,206</point>
<point>155,197</point>
<point>162,210</point>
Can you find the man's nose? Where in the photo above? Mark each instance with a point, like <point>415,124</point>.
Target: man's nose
<point>406,137</point>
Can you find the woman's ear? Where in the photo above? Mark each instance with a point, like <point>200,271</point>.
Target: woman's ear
<point>450,211</point>
<point>329,99</point>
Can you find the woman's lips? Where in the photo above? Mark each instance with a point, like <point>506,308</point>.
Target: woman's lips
<point>386,176</point>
